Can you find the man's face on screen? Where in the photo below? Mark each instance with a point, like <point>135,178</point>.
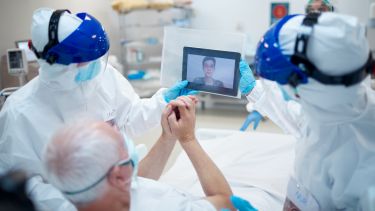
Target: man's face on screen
<point>208,68</point>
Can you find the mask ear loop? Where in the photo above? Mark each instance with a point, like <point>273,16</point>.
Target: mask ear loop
<point>373,69</point>
<point>296,94</point>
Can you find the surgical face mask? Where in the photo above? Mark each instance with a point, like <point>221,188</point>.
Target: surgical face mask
<point>134,157</point>
<point>289,93</point>
<point>91,70</point>
<point>285,94</point>
<point>88,72</point>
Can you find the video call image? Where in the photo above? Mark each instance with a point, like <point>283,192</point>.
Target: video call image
<point>210,71</point>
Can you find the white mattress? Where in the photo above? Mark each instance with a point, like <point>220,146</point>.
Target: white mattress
<point>257,165</point>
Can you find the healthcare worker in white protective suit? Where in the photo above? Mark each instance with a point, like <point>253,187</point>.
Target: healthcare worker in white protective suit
<point>74,82</point>
<point>323,62</point>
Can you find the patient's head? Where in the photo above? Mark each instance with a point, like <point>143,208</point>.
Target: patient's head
<point>81,161</point>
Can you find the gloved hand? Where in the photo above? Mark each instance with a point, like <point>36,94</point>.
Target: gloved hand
<point>179,89</point>
<point>247,81</point>
<point>241,204</point>
<point>255,117</point>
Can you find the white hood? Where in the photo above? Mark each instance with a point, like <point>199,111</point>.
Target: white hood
<point>337,46</point>
<point>55,76</point>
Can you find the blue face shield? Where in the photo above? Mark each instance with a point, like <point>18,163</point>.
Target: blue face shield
<point>87,43</point>
<point>270,63</point>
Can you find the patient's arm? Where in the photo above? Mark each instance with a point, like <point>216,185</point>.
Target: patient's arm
<point>213,182</point>
<point>153,164</point>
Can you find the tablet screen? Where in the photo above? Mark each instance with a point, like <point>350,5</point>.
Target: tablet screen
<point>211,70</point>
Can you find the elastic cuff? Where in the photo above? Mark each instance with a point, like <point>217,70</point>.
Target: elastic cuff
<point>160,96</point>
<point>256,93</point>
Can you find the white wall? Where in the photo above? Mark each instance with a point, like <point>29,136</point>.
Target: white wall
<point>249,16</point>
<point>253,16</point>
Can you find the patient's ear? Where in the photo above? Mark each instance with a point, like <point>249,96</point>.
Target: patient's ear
<point>118,178</point>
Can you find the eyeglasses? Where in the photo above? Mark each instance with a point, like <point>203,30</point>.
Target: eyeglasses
<point>120,164</point>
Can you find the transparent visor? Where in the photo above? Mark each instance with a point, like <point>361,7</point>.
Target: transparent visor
<point>89,70</point>
<point>319,6</point>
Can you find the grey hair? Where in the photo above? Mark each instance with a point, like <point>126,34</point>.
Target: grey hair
<point>78,156</point>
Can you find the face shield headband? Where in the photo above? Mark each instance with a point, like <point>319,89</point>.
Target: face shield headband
<point>300,59</point>
<point>271,64</point>
<point>87,43</point>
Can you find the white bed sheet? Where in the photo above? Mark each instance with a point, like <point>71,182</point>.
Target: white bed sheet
<point>257,165</point>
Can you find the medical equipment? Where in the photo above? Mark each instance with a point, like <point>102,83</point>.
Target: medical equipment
<point>17,64</point>
<point>141,37</point>
<point>24,45</point>
<point>220,67</point>
<point>372,15</point>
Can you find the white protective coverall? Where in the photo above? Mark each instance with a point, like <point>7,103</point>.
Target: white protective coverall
<point>31,115</point>
<point>335,125</point>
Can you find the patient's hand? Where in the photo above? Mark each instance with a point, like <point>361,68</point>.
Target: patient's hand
<point>167,133</point>
<point>184,126</point>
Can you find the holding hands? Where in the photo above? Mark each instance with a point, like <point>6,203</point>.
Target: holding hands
<point>178,119</point>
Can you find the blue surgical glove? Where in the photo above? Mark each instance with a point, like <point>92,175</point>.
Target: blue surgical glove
<point>247,81</point>
<point>241,204</point>
<point>255,117</point>
<point>179,89</point>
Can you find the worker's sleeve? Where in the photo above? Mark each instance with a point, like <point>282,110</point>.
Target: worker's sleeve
<point>16,152</point>
<point>46,197</point>
<point>268,100</point>
<point>137,116</point>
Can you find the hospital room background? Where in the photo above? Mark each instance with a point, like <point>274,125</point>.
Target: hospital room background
<point>140,56</point>
<point>136,38</point>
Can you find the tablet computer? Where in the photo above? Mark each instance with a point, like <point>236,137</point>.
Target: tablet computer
<point>211,71</point>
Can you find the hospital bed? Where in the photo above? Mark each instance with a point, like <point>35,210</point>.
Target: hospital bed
<point>257,165</point>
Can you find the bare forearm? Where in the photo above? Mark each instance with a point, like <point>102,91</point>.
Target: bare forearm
<point>212,180</point>
<point>153,164</point>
